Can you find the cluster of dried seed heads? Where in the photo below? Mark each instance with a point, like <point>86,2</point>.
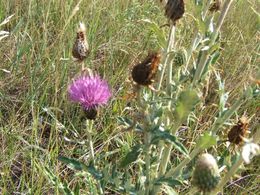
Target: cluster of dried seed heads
<point>80,48</point>
<point>144,72</point>
<point>239,131</point>
<point>174,10</point>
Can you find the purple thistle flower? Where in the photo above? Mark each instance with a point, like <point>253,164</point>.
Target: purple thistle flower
<point>89,91</point>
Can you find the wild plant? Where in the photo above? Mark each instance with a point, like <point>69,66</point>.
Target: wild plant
<point>166,100</point>
<point>3,33</point>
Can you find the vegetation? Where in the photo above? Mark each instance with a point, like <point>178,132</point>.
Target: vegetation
<point>43,136</point>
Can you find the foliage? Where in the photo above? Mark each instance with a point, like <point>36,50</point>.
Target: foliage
<point>143,145</point>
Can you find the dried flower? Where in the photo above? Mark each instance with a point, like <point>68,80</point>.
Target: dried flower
<point>80,48</point>
<point>206,174</point>
<point>144,73</point>
<point>90,91</point>
<point>215,6</point>
<point>250,150</point>
<point>239,131</point>
<point>174,10</point>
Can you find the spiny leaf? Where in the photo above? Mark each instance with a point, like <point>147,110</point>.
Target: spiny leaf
<point>185,104</point>
<point>166,136</point>
<point>131,156</point>
<point>125,121</point>
<point>169,181</point>
<point>207,140</point>
<point>76,165</point>
<point>72,163</point>
<point>157,31</point>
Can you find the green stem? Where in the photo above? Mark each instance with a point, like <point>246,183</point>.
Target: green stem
<point>221,19</point>
<point>147,139</point>
<point>219,122</point>
<point>229,174</point>
<point>170,44</point>
<point>89,124</point>
<point>147,161</point>
<point>205,54</point>
<point>164,161</point>
<point>174,172</point>
<point>165,153</point>
<point>197,38</point>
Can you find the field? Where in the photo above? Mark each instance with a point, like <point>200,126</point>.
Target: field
<point>39,123</point>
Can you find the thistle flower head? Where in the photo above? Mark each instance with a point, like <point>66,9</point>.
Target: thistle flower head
<point>90,91</point>
<point>206,174</point>
<point>144,72</point>
<point>239,131</point>
<point>215,6</point>
<point>174,10</point>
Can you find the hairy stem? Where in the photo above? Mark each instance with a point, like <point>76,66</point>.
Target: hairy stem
<point>205,54</point>
<point>169,48</point>
<point>89,124</point>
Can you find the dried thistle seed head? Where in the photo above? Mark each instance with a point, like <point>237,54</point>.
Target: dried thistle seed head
<point>215,6</point>
<point>239,131</point>
<point>144,73</point>
<point>206,174</point>
<point>80,48</point>
<point>174,10</point>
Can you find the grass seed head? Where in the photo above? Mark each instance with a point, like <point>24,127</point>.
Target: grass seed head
<point>239,131</point>
<point>144,72</point>
<point>80,48</point>
<point>206,174</point>
<point>174,10</point>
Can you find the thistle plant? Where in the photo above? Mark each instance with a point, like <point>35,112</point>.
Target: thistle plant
<point>206,174</point>
<point>166,101</point>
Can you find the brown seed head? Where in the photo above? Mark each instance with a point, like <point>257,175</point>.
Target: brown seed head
<point>174,10</point>
<point>240,130</point>
<point>144,73</point>
<point>215,6</point>
<point>80,48</point>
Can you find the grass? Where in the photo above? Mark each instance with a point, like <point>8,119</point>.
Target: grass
<point>38,123</point>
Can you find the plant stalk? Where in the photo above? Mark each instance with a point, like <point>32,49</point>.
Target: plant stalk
<point>197,36</point>
<point>89,124</point>
<point>235,167</point>
<point>205,55</point>
<point>219,122</point>
<point>174,172</point>
<point>147,140</point>
<point>169,48</point>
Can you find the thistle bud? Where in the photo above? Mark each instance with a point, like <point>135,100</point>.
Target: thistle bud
<point>206,174</point>
<point>144,72</point>
<point>80,48</point>
<point>239,131</point>
<point>91,113</point>
<point>174,10</point>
